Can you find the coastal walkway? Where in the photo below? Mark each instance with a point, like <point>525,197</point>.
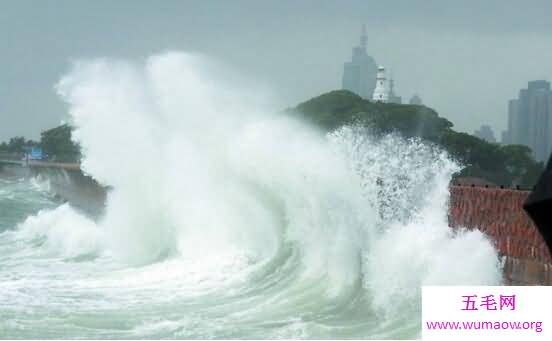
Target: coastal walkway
<point>17,160</point>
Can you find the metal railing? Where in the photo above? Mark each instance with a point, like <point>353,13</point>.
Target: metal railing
<point>514,188</point>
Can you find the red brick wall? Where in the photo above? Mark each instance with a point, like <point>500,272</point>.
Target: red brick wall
<point>499,214</point>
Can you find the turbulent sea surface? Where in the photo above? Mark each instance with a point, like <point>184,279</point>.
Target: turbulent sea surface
<point>225,221</point>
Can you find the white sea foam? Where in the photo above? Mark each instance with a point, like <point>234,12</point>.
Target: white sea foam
<point>225,218</point>
<point>65,231</point>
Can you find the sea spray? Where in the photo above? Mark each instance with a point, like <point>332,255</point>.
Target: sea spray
<point>228,221</point>
<point>414,245</point>
<point>197,170</point>
<point>63,232</point>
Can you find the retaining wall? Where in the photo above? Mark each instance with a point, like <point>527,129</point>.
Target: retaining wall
<point>66,180</point>
<point>72,185</point>
<point>499,214</point>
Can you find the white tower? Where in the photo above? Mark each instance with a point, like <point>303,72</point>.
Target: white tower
<point>380,92</point>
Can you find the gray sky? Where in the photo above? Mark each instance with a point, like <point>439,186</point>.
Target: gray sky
<point>464,58</point>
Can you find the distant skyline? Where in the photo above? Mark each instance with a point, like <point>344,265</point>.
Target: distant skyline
<point>465,59</point>
<point>529,119</point>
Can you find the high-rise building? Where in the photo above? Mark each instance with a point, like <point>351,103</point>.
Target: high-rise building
<point>515,128</point>
<point>530,119</point>
<point>505,139</point>
<point>392,97</point>
<point>359,75</point>
<point>486,133</point>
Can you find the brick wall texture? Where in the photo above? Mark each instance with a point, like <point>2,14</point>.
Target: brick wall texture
<point>499,214</point>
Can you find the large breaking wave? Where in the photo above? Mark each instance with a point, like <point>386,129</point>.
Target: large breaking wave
<point>227,221</point>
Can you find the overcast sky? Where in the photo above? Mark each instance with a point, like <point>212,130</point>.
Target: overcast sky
<point>464,58</point>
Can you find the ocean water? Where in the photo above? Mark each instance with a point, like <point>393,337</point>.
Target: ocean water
<point>226,221</point>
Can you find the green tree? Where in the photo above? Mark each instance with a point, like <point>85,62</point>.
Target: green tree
<point>471,150</point>
<point>57,144</point>
<point>16,145</point>
<point>520,164</point>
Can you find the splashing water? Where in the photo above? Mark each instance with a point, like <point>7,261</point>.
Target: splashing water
<point>228,222</point>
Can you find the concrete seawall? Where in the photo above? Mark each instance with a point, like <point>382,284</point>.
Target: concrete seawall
<point>499,214</point>
<point>66,181</point>
<point>73,186</point>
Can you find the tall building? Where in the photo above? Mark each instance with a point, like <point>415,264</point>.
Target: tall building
<point>392,97</point>
<point>515,129</point>
<point>530,119</point>
<point>486,133</point>
<point>359,75</point>
<point>380,92</point>
<point>416,100</point>
<point>505,139</point>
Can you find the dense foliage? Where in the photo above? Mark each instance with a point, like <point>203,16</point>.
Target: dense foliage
<point>58,146</point>
<point>56,143</point>
<point>501,164</point>
<point>17,145</point>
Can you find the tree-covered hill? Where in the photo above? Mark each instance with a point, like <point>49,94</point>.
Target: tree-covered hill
<point>501,164</point>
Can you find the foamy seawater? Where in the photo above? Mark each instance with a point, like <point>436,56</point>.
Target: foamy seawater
<point>227,222</point>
